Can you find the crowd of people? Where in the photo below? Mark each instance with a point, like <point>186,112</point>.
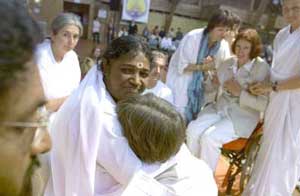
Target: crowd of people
<point>135,120</point>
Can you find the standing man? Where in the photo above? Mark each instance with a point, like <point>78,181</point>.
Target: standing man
<point>96,30</point>
<point>21,96</point>
<point>133,28</point>
<point>277,167</point>
<point>191,67</point>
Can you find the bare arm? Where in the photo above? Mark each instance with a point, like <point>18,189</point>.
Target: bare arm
<point>199,67</point>
<point>289,84</point>
<point>54,104</point>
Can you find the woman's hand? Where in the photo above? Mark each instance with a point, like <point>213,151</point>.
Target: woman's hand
<point>260,88</point>
<point>233,87</point>
<point>208,64</point>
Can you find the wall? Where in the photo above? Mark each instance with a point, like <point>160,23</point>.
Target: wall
<point>186,24</point>
<point>46,12</point>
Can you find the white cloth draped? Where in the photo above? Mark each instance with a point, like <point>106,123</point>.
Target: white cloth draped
<point>58,79</point>
<point>90,155</point>
<point>161,90</point>
<point>277,168</point>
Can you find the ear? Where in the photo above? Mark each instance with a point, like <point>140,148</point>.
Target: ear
<point>105,66</point>
<point>52,34</point>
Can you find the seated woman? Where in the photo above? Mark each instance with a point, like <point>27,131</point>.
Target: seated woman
<point>156,132</point>
<point>236,112</point>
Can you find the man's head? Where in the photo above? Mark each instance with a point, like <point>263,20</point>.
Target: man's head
<point>219,24</point>
<point>154,129</point>
<point>159,61</point>
<point>126,67</point>
<point>21,95</point>
<point>291,12</point>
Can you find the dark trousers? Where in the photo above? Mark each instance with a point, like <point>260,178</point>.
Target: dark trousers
<point>96,37</point>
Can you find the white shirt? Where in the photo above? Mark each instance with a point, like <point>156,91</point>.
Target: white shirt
<point>166,43</point>
<point>96,26</point>
<point>58,79</point>
<point>161,90</point>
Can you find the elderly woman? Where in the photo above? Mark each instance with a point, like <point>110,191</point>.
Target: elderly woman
<point>57,62</point>
<point>236,111</point>
<point>188,75</point>
<point>60,74</point>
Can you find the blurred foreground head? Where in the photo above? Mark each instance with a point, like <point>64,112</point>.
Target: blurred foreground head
<point>21,96</point>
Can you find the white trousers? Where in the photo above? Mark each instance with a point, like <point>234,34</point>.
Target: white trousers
<point>207,134</point>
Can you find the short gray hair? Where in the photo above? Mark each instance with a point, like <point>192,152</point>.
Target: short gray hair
<point>65,19</point>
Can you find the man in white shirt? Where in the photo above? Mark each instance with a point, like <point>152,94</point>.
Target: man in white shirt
<point>96,30</point>
<point>156,86</point>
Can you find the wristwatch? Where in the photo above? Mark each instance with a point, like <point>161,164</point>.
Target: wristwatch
<point>274,86</point>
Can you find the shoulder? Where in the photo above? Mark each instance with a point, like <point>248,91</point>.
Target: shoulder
<point>261,64</point>
<point>72,55</point>
<point>164,87</point>
<point>195,32</point>
<point>43,54</point>
<point>192,37</point>
<point>43,48</point>
<point>282,32</point>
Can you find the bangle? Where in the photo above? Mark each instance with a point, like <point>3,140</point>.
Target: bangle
<point>275,86</point>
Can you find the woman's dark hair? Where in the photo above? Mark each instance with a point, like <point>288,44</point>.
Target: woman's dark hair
<point>154,129</point>
<point>221,18</point>
<point>251,36</point>
<point>127,45</point>
<point>19,35</point>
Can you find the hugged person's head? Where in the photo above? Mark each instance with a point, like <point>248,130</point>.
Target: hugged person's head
<point>21,96</point>
<point>126,65</point>
<point>154,129</point>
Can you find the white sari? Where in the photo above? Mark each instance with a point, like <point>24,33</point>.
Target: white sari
<point>277,168</point>
<point>91,157</point>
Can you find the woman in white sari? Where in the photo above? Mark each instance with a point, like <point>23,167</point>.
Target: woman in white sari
<point>277,168</point>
